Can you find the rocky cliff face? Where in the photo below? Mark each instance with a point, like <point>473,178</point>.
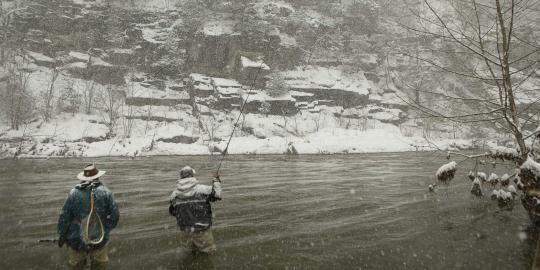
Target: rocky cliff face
<point>194,68</point>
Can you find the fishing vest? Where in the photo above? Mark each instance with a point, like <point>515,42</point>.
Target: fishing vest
<point>193,214</point>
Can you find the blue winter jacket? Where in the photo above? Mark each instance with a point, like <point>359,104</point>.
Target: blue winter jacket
<point>77,207</point>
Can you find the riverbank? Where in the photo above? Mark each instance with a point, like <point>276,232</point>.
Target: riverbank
<point>324,141</point>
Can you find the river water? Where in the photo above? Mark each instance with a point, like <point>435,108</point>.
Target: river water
<point>368,211</point>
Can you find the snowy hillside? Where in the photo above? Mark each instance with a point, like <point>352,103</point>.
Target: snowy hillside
<point>170,77</point>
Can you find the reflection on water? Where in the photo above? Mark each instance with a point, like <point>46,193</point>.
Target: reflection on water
<point>310,212</point>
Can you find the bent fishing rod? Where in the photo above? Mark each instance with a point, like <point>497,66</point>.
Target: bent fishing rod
<point>244,103</point>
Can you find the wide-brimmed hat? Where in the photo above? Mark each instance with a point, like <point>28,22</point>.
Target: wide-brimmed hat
<point>90,172</point>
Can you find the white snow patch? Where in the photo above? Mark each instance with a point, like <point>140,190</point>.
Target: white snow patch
<point>532,166</point>
<point>482,176</point>
<point>300,94</point>
<point>503,151</point>
<point>223,82</point>
<point>493,177</point>
<point>218,28</point>
<point>448,167</point>
<point>287,40</point>
<point>139,91</point>
<point>40,57</point>
<point>326,78</point>
<point>64,128</point>
<point>83,57</point>
<point>248,63</point>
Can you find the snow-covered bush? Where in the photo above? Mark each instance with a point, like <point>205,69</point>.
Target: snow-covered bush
<point>476,188</point>
<point>446,172</point>
<point>529,174</point>
<point>505,153</point>
<point>493,179</point>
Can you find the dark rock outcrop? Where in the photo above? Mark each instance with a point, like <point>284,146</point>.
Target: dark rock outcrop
<point>180,139</point>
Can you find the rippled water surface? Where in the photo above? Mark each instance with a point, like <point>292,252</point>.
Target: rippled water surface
<point>368,211</point>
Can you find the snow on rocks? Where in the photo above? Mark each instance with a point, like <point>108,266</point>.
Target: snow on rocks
<point>64,128</point>
<point>218,28</point>
<point>200,85</point>
<point>154,34</point>
<point>150,107</point>
<point>141,94</point>
<point>181,112</point>
<point>80,64</point>
<point>287,40</point>
<point>79,57</point>
<point>446,172</point>
<point>326,78</point>
<point>41,59</point>
<point>248,63</point>
<point>261,102</point>
<point>174,133</point>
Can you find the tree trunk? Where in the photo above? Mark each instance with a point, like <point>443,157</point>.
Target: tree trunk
<point>4,44</point>
<point>506,35</point>
<point>49,97</point>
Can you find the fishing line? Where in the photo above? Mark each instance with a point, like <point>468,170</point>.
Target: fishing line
<point>226,150</point>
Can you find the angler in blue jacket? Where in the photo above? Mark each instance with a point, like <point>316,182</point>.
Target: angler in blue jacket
<point>89,214</point>
<point>190,204</point>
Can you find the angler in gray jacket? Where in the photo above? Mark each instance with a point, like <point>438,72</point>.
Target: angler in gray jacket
<point>190,204</point>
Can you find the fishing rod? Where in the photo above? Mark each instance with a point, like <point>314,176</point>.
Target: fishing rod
<point>48,240</point>
<point>252,86</point>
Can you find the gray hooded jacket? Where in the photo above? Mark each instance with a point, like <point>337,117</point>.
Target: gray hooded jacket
<point>190,204</point>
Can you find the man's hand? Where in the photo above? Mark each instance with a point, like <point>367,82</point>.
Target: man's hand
<point>61,241</point>
<point>216,174</point>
